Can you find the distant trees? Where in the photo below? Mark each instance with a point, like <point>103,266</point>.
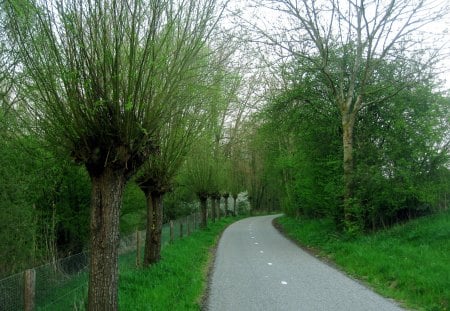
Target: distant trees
<point>91,71</point>
<point>401,148</point>
<point>342,46</point>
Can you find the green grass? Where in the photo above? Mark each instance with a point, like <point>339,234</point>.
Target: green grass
<point>176,283</point>
<point>409,262</point>
<point>178,280</point>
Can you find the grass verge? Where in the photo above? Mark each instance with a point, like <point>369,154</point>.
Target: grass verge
<point>178,280</point>
<point>409,262</point>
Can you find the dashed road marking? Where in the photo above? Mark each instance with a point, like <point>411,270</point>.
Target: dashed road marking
<point>261,252</point>
<point>269,263</point>
<point>283,282</point>
<point>256,243</point>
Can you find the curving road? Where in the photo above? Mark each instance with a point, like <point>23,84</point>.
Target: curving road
<point>256,268</point>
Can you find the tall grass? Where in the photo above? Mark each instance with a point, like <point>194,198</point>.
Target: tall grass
<point>409,262</point>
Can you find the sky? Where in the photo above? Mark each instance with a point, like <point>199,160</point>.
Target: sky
<point>436,34</point>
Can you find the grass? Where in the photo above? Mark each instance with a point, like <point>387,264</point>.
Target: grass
<point>178,280</point>
<point>176,283</point>
<point>409,262</point>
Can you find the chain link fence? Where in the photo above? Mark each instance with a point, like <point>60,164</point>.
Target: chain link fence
<point>62,284</point>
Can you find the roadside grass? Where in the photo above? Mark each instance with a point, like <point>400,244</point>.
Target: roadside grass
<point>409,262</point>
<point>178,281</point>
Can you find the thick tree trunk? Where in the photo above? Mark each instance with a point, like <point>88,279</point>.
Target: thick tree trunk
<point>225,197</point>
<point>107,190</point>
<point>218,203</point>
<point>152,252</point>
<point>213,208</point>
<point>217,207</point>
<point>351,223</point>
<point>203,210</point>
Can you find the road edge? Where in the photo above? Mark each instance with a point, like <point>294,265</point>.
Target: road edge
<point>209,268</point>
<point>316,254</point>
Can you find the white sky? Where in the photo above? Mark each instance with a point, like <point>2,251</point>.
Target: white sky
<point>437,33</point>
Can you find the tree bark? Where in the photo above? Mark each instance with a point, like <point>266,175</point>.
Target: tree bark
<point>203,210</point>
<point>225,197</point>
<point>213,208</point>
<point>107,191</point>
<point>350,208</point>
<point>234,204</point>
<point>152,252</point>
<point>217,198</point>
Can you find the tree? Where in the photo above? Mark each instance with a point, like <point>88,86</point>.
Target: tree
<point>343,44</point>
<point>197,174</point>
<point>400,148</point>
<point>91,69</point>
<point>156,176</point>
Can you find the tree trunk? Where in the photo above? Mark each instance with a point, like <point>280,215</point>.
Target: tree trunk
<point>218,203</point>
<point>225,197</point>
<point>351,223</point>
<point>107,191</point>
<point>234,204</point>
<point>203,210</point>
<point>152,252</point>
<point>218,207</point>
<point>213,208</point>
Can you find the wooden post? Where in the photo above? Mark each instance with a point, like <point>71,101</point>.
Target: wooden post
<point>29,289</point>
<point>181,228</point>
<point>138,248</point>
<point>171,231</point>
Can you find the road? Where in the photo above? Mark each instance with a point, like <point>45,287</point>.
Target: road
<point>256,268</point>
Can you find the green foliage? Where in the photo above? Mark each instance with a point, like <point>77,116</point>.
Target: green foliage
<point>302,152</point>
<point>400,168</point>
<point>408,262</point>
<point>400,150</point>
<point>133,211</point>
<point>43,204</point>
<point>178,203</point>
<point>199,169</point>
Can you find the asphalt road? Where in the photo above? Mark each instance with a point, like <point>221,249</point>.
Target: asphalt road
<point>256,268</point>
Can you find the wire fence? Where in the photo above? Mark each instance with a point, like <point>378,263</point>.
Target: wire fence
<point>62,284</point>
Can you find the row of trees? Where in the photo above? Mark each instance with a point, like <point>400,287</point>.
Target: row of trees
<point>141,94</point>
<point>356,128</point>
<point>127,89</point>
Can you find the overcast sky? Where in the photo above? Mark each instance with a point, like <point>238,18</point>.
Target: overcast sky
<point>437,33</point>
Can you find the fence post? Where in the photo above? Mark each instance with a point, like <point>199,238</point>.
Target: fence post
<point>171,231</point>
<point>138,248</point>
<point>188,219</point>
<point>29,289</point>
<point>181,228</point>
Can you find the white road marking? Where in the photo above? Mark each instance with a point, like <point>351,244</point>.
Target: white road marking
<point>252,237</point>
<point>256,243</point>
<point>269,263</point>
<point>261,252</point>
<point>283,282</point>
